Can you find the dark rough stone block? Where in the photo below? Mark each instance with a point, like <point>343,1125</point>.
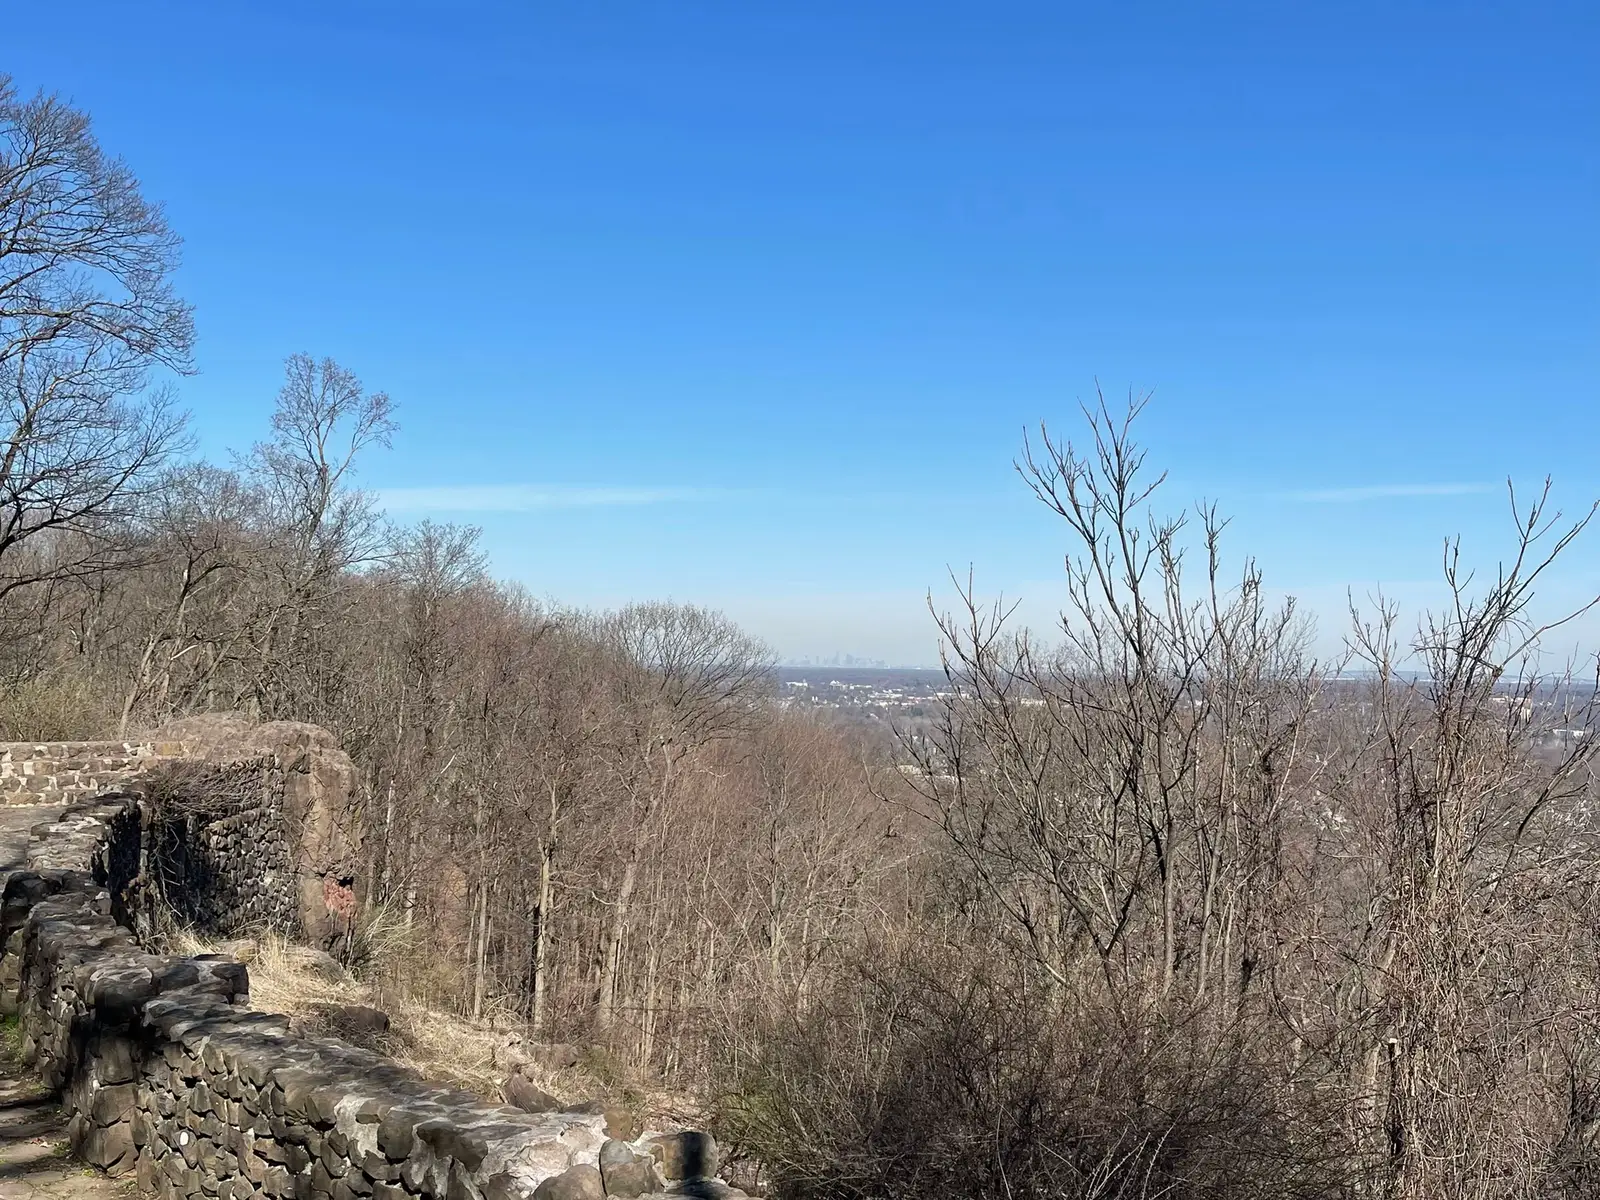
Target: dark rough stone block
<point>630,1179</point>
<point>414,1173</point>
<point>523,1093</point>
<point>113,1059</point>
<point>173,975</point>
<point>254,1167</point>
<point>378,1168</point>
<point>114,1104</point>
<point>119,991</point>
<point>447,1138</point>
<point>335,1163</point>
<point>575,1183</point>
<point>322,1103</point>
<point>254,1068</point>
<point>297,1086</point>
<point>213,1059</point>
<point>397,1132</point>
<point>461,1186</point>
<point>109,1147</point>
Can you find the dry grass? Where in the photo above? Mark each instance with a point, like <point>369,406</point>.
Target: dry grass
<point>446,1048</point>
<point>286,978</point>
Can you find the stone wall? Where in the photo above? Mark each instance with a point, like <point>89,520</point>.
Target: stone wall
<point>166,1072</point>
<point>306,793</point>
<point>271,845</point>
<point>216,851</point>
<point>65,772</point>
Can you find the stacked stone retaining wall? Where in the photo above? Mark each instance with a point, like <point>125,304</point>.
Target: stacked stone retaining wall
<point>217,851</point>
<point>166,1072</point>
<point>270,847</point>
<point>66,772</point>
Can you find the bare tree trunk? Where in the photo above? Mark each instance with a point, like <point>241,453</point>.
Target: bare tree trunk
<point>542,929</point>
<point>611,959</point>
<point>481,964</point>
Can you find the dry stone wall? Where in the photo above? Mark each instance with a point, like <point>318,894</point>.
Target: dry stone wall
<point>217,853</point>
<point>167,1073</point>
<point>65,772</point>
<point>269,844</point>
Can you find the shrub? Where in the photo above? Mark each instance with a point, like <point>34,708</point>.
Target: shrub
<point>948,1078</point>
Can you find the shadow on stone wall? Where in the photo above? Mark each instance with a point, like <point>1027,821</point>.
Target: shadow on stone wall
<point>167,1073</point>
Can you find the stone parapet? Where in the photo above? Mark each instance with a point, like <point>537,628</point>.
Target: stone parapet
<point>65,772</point>
<point>166,1072</point>
<point>272,845</point>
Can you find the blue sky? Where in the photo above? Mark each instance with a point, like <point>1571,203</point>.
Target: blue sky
<point>748,304</point>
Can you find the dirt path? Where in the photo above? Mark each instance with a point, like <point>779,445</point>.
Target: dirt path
<point>34,1164</point>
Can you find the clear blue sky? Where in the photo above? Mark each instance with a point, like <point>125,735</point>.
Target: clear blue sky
<point>747,304</point>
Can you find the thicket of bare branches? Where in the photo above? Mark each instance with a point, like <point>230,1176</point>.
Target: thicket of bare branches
<point>1221,920</point>
<point>595,826</point>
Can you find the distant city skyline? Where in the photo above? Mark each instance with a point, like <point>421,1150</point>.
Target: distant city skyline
<point>750,306</point>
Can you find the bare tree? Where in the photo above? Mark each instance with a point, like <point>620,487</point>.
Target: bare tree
<point>87,315</point>
<point>321,525</point>
<point>193,544</point>
<point>683,677</point>
<point>1446,907</point>
<point>1108,793</point>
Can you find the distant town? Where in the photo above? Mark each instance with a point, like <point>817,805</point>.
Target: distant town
<point>893,699</point>
<point>870,693</point>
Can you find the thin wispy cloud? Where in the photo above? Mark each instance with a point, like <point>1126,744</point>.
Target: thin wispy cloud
<point>1385,491</point>
<point>534,497</point>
